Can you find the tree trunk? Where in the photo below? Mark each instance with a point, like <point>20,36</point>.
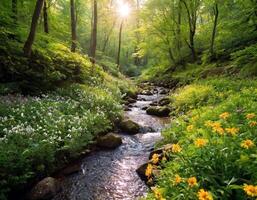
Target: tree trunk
<point>179,31</point>
<point>73,26</point>
<point>171,55</point>
<point>216,13</point>
<point>94,32</point>
<point>192,28</point>
<point>14,10</point>
<point>119,48</point>
<point>192,44</point>
<point>29,42</point>
<point>136,58</point>
<point>46,26</point>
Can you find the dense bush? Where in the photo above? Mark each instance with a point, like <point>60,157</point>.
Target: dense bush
<point>215,154</point>
<point>192,96</point>
<point>52,65</point>
<point>36,132</point>
<point>246,60</point>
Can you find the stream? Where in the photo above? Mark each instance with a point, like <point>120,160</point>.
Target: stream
<point>111,174</point>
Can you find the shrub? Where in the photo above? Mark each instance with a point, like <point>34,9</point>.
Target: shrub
<point>36,131</point>
<point>218,145</point>
<point>191,96</point>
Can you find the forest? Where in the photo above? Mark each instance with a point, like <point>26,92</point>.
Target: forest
<point>128,99</point>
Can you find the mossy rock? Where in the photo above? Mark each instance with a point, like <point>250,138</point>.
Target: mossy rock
<point>158,111</point>
<point>129,127</point>
<point>110,141</point>
<point>45,189</point>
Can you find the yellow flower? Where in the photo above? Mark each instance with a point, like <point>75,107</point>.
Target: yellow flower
<point>233,131</point>
<point>200,142</point>
<point>253,124</point>
<point>190,128</point>
<point>218,129</point>
<point>178,179</point>
<point>149,170</point>
<point>208,123</point>
<point>158,194</point>
<point>250,116</point>
<point>250,190</point>
<point>176,148</point>
<point>247,144</point>
<point>204,195</point>
<point>224,115</point>
<point>155,158</point>
<point>192,181</point>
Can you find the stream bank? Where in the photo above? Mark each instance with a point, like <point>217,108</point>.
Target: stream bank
<point>111,174</point>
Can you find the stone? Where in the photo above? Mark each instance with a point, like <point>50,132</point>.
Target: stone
<point>164,101</point>
<point>158,111</point>
<point>160,151</point>
<point>154,103</point>
<point>164,91</point>
<point>130,100</point>
<point>72,169</point>
<point>141,171</point>
<point>110,141</point>
<point>127,108</point>
<point>147,92</point>
<point>132,95</point>
<point>45,189</point>
<point>145,108</point>
<point>129,127</point>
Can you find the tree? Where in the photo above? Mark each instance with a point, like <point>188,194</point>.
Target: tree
<point>137,36</point>
<point>73,26</point>
<point>119,47</point>
<point>192,7</point>
<point>30,40</point>
<point>216,15</point>
<point>45,15</point>
<point>94,31</point>
<point>14,10</point>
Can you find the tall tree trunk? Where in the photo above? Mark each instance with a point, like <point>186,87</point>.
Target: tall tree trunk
<point>46,26</point>
<point>179,31</point>
<point>15,10</point>
<point>119,48</point>
<point>216,14</point>
<point>73,26</point>
<point>171,55</point>
<point>94,32</point>
<point>192,17</point>
<point>192,44</point>
<point>29,42</point>
<point>136,58</point>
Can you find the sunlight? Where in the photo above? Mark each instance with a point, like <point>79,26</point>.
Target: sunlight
<point>124,9</point>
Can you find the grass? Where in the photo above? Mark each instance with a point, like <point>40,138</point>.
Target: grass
<point>36,132</point>
<point>215,132</point>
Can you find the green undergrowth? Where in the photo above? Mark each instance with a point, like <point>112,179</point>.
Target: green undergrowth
<point>215,150</point>
<point>240,63</point>
<point>52,107</point>
<point>39,134</point>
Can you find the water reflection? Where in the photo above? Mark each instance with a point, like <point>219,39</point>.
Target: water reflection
<point>111,175</point>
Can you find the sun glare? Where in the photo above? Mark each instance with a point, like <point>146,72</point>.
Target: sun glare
<point>124,9</point>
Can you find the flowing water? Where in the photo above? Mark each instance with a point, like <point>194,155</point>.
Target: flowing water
<point>111,174</point>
